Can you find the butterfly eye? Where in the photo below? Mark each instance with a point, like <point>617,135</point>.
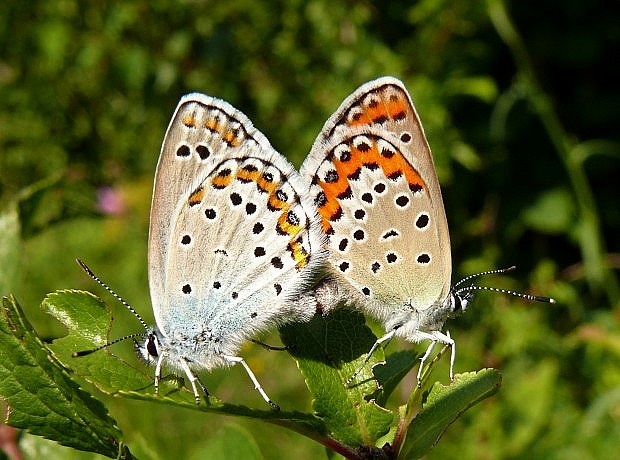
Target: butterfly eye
<point>151,347</point>
<point>460,302</point>
<point>457,305</point>
<point>466,299</point>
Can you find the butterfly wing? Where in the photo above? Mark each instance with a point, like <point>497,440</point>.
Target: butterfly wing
<point>372,177</point>
<point>232,239</point>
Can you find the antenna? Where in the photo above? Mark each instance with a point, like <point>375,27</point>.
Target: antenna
<point>77,354</point>
<point>471,288</point>
<point>90,273</point>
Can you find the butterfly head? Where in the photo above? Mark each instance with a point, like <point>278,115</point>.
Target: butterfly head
<point>458,301</point>
<point>148,348</point>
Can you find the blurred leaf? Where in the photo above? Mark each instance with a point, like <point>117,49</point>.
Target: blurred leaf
<point>10,248</point>
<point>36,387</point>
<point>481,87</point>
<point>231,441</point>
<point>466,156</point>
<point>443,405</point>
<point>598,335</point>
<point>600,427</point>
<point>530,419</point>
<point>552,212</point>
<point>35,447</point>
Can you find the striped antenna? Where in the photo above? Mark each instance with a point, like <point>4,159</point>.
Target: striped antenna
<point>471,288</point>
<point>77,354</point>
<point>90,273</point>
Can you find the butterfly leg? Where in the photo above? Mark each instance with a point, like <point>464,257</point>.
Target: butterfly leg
<point>424,358</point>
<point>202,387</point>
<point>386,338</point>
<point>435,337</point>
<point>193,379</point>
<point>257,386</point>
<point>452,355</point>
<point>268,347</point>
<point>160,360</point>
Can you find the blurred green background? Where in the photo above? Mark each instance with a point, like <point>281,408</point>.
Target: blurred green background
<point>520,104</point>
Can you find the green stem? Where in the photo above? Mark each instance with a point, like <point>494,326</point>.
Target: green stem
<point>598,273</point>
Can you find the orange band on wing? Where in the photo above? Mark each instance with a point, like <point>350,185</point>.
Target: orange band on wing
<point>275,202</point>
<point>222,180</point>
<point>300,255</point>
<point>397,166</point>
<point>395,108</point>
<point>284,226</point>
<point>189,120</point>
<point>196,197</point>
<point>231,137</point>
<point>247,175</point>
<point>213,124</point>
<point>392,163</point>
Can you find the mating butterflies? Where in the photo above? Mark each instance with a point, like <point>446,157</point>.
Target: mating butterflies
<point>238,239</point>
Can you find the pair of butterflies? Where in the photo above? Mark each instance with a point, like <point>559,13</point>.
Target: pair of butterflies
<point>240,241</point>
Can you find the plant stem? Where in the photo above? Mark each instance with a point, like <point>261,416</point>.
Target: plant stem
<point>597,271</point>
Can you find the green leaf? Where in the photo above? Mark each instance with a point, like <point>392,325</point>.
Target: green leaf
<point>553,212</point>
<point>443,405</point>
<point>390,373</point>
<point>530,419</point>
<point>41,396</point>
<point>328,350</point>
<point>479,86</point>
<point>88,320</point>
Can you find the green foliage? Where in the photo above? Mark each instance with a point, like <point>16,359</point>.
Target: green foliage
<point>519,102</point>
<point>443,405</point>
<point>41,395</point>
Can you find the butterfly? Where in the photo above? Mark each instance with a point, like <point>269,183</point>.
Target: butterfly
<point>234,243</point>
<point>371,175</point>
